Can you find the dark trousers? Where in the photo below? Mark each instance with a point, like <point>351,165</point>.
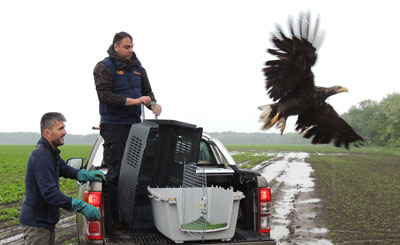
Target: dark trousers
<point>115,137</point>
<point>38,235</point>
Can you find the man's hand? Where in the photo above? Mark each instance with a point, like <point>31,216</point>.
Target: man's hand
<point>144,99</point>
<point>156,109</point>
<point>94,175</point>
<point>90,211</point>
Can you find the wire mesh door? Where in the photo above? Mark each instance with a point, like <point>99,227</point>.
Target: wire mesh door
<point>194,201</point>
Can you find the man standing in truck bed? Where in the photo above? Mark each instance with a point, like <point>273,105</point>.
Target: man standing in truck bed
<point>122,85</point>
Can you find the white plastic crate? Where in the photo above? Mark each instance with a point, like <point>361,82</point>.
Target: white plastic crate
<point>169,212</point>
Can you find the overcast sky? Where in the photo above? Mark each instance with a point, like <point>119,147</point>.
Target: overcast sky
<point>204,58</point>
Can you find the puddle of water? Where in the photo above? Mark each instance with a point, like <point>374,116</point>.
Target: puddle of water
<point>323,242</point>
<point>264,154</point>
<point>280,229</point>
<point>298,175</point>
<point>12,240</point>
<point>294,174</point>
<point>312,200</point>
<point>319,230</point>
<point>235,152</point>
<point>274,170</point>
<point>335,153</point>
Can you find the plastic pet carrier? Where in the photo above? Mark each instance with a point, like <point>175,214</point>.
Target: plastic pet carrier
<point>194,211</point>
<point>180,222</point>
<point>155,154</point>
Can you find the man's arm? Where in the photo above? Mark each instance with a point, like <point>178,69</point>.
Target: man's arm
<point>45,178</point>
<point>147,91</point>
<point>103,79</point>
<point>67,171</point>
<point>146,87</point>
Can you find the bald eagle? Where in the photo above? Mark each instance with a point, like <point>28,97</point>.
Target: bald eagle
<point>290,84</point>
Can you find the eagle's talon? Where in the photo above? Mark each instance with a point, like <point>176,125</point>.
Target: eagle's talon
<point>283,126</point>
<point>275,118</point>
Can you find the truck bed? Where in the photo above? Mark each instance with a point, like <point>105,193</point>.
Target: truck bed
<point>155,237</point>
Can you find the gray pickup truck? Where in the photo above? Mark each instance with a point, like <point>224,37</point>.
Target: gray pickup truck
<point>154,157</point>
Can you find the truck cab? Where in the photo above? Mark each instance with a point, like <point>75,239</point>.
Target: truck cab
<point>211,157</point>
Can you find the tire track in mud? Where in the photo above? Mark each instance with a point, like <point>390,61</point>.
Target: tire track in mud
<point>295,208</point>
<point>65,230</point>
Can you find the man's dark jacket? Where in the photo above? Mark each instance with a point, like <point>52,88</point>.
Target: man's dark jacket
<point>43,197</point>
<point>108,94</point>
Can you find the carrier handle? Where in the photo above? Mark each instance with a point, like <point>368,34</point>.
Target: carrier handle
<point>154,103</point>
<point>155,198</point>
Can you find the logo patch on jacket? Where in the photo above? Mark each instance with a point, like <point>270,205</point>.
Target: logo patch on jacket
<point>120,72</point>
<point>136,73</point>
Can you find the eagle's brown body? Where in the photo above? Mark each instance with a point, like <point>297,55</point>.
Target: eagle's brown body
<point>290,84</point>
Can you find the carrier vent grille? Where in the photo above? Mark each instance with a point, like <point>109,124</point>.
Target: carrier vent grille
<point>135,147</point>
<point>183,150</point>
<point>127,190</point>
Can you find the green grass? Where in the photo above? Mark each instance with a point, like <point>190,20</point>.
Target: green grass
<point>13,160</point>
<point>247,160</point>
<point>9,215</point>
<point>12,176</point>
<point>360,193</point>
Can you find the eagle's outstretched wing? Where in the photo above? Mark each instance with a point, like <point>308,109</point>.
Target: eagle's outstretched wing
<point>296,55</point>
<point>323,125</point>
<point>290,83</point>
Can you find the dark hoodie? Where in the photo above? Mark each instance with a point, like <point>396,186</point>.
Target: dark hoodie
<point>103,79</point>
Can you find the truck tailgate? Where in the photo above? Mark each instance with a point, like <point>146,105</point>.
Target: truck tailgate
<point>154,237</point>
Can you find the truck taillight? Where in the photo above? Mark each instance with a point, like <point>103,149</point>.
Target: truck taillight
<point>264,210</point>
<point>94,228</point>
<point>265,194</point>
<point>94,198</point>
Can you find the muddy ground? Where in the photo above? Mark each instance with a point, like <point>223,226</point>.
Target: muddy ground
<point>65,231</point>
<point>297,213</point>
<point>296,219</point>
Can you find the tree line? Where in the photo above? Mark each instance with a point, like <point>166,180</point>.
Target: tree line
<point>378,122</point>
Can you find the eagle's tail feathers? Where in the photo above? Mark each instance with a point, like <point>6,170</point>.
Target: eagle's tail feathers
<point>264,107</point>
<point>269,116</point>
